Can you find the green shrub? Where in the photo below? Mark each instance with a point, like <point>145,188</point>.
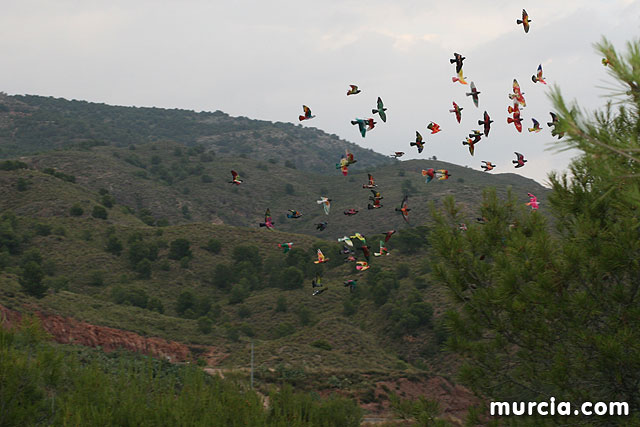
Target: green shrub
<point>214,246</point>
<point>284,329</point>
<point>76,210</point>
<point>99,212</point>
<point>96,278</point>
<point>244,311</point>
<point>31,280</point>
<point>114,245</point>
<point>281,304</point>
<point>204,325</point>
<point>322,344</point>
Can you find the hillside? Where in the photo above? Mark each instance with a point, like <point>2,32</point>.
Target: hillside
<point>30,124</point>
<point>120,273</point>
<point>181,186</point>
<point>144,242</point>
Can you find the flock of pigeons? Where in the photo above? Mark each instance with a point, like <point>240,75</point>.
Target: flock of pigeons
<point>367,124</point>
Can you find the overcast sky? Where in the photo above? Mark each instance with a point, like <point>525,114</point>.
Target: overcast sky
<point>264,59</point>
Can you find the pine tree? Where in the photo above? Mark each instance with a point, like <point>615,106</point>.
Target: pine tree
<point>554,311</point>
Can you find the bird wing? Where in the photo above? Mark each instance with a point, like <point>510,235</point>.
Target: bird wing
<point>307,111</point>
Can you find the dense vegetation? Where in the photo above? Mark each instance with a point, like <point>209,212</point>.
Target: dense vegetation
<point>555,313</point>
<point>46,384</point>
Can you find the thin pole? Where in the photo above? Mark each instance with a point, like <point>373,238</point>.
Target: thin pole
<point>251,364</point>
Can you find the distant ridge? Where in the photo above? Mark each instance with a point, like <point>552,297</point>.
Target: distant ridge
<point>31,124</point>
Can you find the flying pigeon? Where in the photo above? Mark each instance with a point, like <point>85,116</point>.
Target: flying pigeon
<point>397,154</point>
<point>538,76</point>
<point>473,94</point>
<point>267,220</point>
<point>533,201</point>
<point>326,204</point>
<point>418,143</point>
<point>307,114</point>
<point>471,143</point>
<point>433,127</point>
<point>443,174</point>
<point>520,160</point>
<point>517,95</point>
<point>516,119</point>
<point>371,183</point>
<point>486,123</point>
<point>354,90</point>
<point>321,258</point>
<point>286,247</point>
<point>457,59</point>
<point>429,173</point>
<point>404,209</point>
<point>487,166</point>
<point>236,180</point>
<point>524,21</point>
<point>536,126</point>
<point>380,110</point>
<point>364,125</point>
<point>458,111</point>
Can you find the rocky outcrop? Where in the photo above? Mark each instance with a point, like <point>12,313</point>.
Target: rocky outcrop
<point>67,330</point>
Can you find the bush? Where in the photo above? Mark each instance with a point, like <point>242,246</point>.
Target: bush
<point>322,344</point>
<point>99,212</point>
<point>114,245</point>
<point>31,280</point>
<point>186,301</point>
<point>284,329</point>
<point>223,276</point>
<point>214,246</point>
<point>22,184</point>
<point>288,189</point>
<point>108,200</point>
<point>204,325</point>
<point>43,229</point>
<point>244,312</point>
<point>184,262</point>
<point>281,304</point>
<point>238,294</point>
<point>143,268</point>
<point>292,278</point>
<point>76,210</point>
<point>96,278</point>
<point>304,314</point>
<point>349,308</point>
<point>402,270</point>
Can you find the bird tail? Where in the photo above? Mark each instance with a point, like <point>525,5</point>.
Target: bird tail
<point>510,120</point>
<point>534,78</point>
<point>413,144</point>
<point>519,21</point>
<point>452,61</point>
<point>354,122</point>
<point>420,149</point>
<point>301,118</point>
<point>454,79</point>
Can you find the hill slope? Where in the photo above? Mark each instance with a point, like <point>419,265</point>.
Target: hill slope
<point>181,186</point>
<point>30,124</point>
